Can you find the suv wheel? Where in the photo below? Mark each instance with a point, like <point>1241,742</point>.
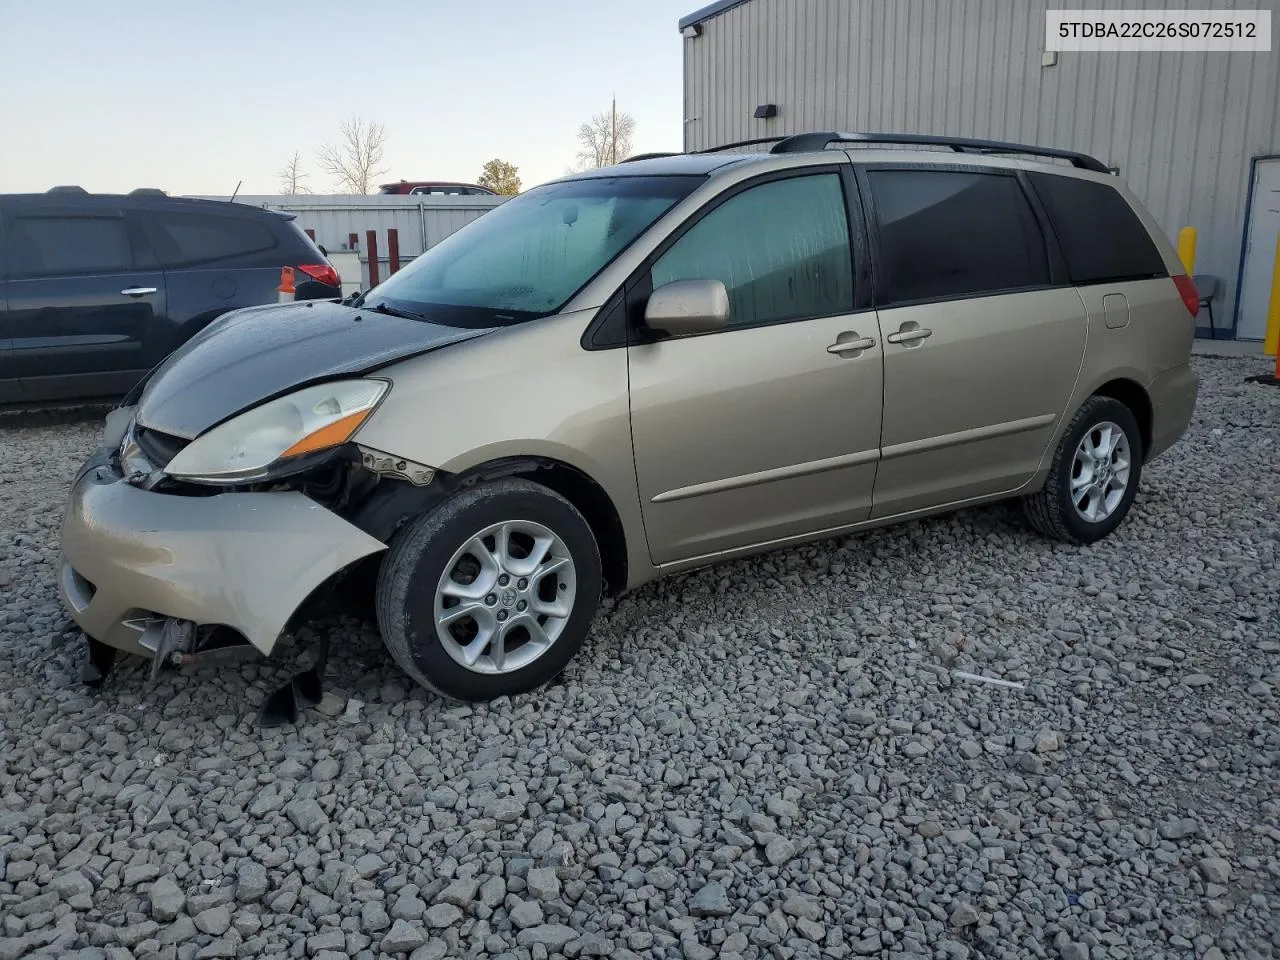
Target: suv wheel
<point>490,594</point>
<point>1094,476</point>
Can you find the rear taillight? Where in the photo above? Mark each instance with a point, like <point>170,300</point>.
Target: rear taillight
<point>1187,290</point>
<point>323,272</point>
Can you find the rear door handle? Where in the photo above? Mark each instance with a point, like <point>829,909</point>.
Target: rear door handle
<point>910,336</point>
<point>855,344</point>
<point>137,291</point>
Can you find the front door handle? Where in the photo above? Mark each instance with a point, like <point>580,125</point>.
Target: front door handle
<point>909,335</point>
<point>137,291</point>
<point>854,344</point>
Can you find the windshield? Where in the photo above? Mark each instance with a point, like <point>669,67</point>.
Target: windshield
<point>529,256</point>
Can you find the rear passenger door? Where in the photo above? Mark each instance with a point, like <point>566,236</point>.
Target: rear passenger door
<point>81,300</point>
<point>983,338</point>
<point>213,263</point>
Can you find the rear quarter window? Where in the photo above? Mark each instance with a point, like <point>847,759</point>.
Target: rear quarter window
<point>186,239</point>
<point>1101,236</point>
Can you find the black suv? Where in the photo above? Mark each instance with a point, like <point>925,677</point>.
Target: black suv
<point>96,289</point>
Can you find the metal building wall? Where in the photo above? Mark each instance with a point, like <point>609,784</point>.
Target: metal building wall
<point>1182,127</point>
<point>420,221</point>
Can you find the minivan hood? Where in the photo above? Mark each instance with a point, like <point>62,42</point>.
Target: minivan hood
<point>251,355</point>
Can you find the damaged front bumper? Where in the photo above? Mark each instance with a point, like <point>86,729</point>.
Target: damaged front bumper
<point>243,560</point>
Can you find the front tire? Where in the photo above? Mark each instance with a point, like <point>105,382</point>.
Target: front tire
<point>490,594</point>
<point>1094,476</point>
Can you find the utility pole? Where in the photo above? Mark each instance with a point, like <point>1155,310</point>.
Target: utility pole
<point>613,138</point>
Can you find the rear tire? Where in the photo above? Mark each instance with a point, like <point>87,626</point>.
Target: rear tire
<point>1094,476</point>
<point>491,593</point>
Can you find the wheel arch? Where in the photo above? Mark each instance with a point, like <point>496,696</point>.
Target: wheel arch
<point>394,503</point>
<point>1134,396</point>
<point>580,489</point>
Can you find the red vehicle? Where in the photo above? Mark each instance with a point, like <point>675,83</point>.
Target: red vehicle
<point>436,188</point>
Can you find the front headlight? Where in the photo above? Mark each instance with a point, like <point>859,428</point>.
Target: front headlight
<point>261,442</point>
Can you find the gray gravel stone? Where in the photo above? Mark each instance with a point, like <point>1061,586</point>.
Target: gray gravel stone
<point>526,913</point>
<point>1178,829</point>
<point>801,906</point>
<point>402,938</point>
<point>215,920</point>
<point>433,949</point>
<point>684,826</point>
<point>551,936</point>
<point>442,915</point>
<point>373,917</point>
<point>306,815</point>
<point>167,899</point>
<point>504,809</point>
<point>711,900</point>
<point>779,850</point>
<point>369,864</point>
<point>1215,869</point>
<point>543,883</point>
<point>749,726</point>
<point>492,891</point>
<point>326,940</point>
<point>251,881</point>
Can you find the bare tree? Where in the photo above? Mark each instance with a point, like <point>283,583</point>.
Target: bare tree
<point>292,175</point>
<point>356,160</point>
<point>606,138</point>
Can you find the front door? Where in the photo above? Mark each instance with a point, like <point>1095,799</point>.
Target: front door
<point>80,307</point>
<point>981,350</point>
<point>769,428</point>
<point>1260,250</point>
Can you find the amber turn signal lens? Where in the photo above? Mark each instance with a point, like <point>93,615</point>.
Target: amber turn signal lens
<point>330,436</point>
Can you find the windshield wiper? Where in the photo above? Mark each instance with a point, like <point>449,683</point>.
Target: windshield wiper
<point>401,312</point>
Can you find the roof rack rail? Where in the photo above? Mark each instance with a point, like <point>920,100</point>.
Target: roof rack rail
<point>650,156</point>
<point>147,192</point>
<point>742,143</point>
<point>803,142</point>
<point>67,188</point>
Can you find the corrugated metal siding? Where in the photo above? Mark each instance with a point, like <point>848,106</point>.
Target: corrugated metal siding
<point>1182,127</point>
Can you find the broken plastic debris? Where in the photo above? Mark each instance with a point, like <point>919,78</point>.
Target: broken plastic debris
<point>965,675</point>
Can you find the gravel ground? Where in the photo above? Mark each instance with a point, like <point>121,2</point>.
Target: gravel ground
<point>775,757</point>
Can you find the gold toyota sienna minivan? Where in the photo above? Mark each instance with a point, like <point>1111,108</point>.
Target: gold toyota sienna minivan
<point>634,371</point>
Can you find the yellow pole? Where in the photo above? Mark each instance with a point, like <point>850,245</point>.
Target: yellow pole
<point>1187,249</point>
<point>1273,310</point>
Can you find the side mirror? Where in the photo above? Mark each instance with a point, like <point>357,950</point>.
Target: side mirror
<point>683,307</point>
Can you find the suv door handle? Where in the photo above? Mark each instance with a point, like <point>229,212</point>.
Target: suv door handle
<point>855,344</point>
<point>914,335</point>
<point>137,291</point>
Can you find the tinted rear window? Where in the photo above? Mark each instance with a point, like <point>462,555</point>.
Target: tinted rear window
<point>42,246</point>
<point>954,234</point>
<point>182,239</point>
<point>1101,237</point>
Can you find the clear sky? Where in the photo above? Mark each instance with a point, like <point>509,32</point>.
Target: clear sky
<point>194,95</point>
